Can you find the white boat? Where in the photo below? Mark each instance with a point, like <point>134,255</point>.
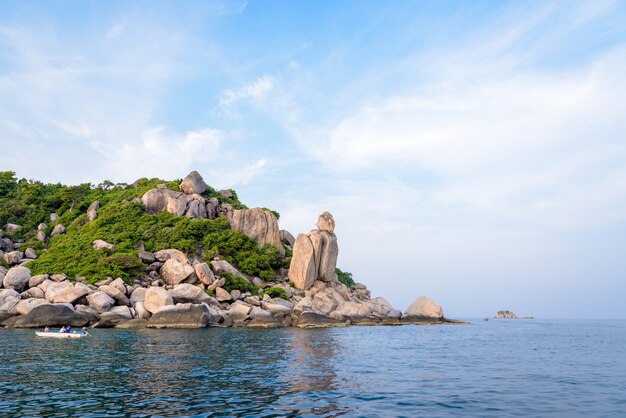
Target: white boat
<point>57,334</point>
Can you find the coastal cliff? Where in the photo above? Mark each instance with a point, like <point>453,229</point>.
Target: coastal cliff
<point>172,255</point>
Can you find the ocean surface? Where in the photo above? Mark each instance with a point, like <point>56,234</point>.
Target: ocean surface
<point>497,368</point>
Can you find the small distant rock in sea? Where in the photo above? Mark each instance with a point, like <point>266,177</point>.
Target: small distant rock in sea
<point>510,315</point>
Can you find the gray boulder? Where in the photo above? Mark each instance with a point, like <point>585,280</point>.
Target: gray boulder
<point>70,294</point>
<point>423,308</point>
<point>58,230</point>
<point>193,184</point>
<point>188,293</point>
<point>30,253</point>
<point>259,224</point>
<point>174,272</point>
<point>100,301</point>
<point>13,257</point>
<point>204,273</point>
<point>16,278</point>
<point>92,211</point>
<point>157,297</point>
<point>51,315</point>
<point>100,244</point>
<point>183,315</point>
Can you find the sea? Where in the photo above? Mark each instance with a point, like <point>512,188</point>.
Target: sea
<point>496,368</point>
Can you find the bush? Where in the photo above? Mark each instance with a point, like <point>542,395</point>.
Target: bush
<point>275,292</point>
<point>345,277</point>
<point>233,282</point>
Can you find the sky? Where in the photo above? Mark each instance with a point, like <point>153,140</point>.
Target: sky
<point>470,151</point>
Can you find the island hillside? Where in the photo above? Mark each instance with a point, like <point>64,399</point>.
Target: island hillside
<point>172,254</point>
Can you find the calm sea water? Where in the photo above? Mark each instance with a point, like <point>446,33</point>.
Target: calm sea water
<point>496,368</point>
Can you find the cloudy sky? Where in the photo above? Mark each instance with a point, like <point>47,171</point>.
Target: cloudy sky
<point>474,152</point>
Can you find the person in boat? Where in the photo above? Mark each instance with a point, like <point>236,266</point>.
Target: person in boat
<point>46,329</point>
<point>62,329</point>
<point>85,331</point>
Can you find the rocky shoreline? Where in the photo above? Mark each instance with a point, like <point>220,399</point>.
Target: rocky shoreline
<point>181,291</point>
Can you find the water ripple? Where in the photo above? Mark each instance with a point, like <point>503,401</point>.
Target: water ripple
<point>494,369</point>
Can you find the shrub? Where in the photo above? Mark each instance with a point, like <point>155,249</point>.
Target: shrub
<point>275,292</point>
<point>233,282</point>
<point>345,277</point>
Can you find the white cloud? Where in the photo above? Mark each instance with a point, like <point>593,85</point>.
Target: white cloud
<point>253,92</point>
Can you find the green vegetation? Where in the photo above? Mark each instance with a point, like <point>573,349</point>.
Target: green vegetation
<point>275,292</point>
<point>124,224</point>
<point>345,277</point>
<point>237,283</point>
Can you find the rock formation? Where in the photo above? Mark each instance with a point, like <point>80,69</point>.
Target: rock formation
<point>259,224</point>
<point>423,308</point>
<point>315,255</point>
<point>193,184</point>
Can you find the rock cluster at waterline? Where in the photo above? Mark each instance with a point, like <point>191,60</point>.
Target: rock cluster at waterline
<point>181,290</point>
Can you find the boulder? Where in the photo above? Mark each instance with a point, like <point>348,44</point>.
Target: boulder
<point>116,294</point>
<point>147,257</point>
<point>217,283</point>
<point>70,294</point>
<point>222,266</point>
<point>119,285</point>
<point>226,193</point>
<point>423,308</point>
<point>41,236</point>
<point>234,294</point>
<point>165,255</point>
<point>239,311</point>
<point>11,227</point>
<point>9,293</point>
<point>41,226</point>
<point>204,273</point>
<point>156,298</point>
<point>34,292</point>
<point>138,295</point>
<point>183,315</point>
<point>163,200</point>
<point>37,280</point>
<point>110,320</point>
<point>259,224</point>
<point>316,320</point>
<point>13,257</point>
<point>58,277</point>
<point>100,301</point>
<point>196,208</point>
<point>326,222</point>
<point>212,208</point>
<point>27,305</point>
<point>275,308</point>
<point>174,272</point>
<point>92,211</point>
<point>303,267</point>
<point>90,313</point>
<point>287,238</point>
<point>16,278</point>
<point>99,244</point>
<point>10,305</point>
<point>188,293</point>
<point>30,253</point>
<point>257,312</point>
<point>222,295</point>
<point>58,230</point>
<point>51,315</point>
<point>120,310</point>
<point>54,217</point>
<point>141,310</point>
<point>193,184</point>
<point>326,252</point>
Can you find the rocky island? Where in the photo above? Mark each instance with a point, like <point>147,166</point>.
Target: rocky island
<point>172,255</point>
<point>506,314</point>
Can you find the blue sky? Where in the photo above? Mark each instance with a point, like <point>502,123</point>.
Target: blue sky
<point>473,152</point>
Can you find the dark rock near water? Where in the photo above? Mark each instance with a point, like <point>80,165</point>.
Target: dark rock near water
<point>52,315</point>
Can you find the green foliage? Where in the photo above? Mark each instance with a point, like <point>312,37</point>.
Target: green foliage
<point>209,292</point>
<point>275,292</point>
<point>124,224</point>
<point>8,183</point>
<point>233,282</point>
<point>345,277</point>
